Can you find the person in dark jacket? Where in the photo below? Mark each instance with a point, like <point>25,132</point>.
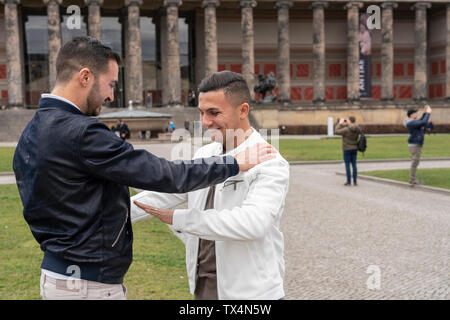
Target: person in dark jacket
<point>350,132</point>
<point>124,131</point>
<point>416,128</point>
<point>73,175</point>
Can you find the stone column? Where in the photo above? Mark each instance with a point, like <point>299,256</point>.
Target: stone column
<point>353,50</point>
<point>54,37</point>
<point>420,53</point>
<point>133,53</point>
<point>447,60</point>
<point>163,56</point>
<point>14,55</point>
<point>173,53</point>
<point>387,51</point>
<point>319,50</point>
<point>94,18</point>
<point>283,65</point>
<point>210,36</point>
<point>248,52</point>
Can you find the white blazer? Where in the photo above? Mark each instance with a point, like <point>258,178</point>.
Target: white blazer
<point>245,224</point>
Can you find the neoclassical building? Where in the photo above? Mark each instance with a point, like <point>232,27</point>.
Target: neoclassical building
<point>168,46</point>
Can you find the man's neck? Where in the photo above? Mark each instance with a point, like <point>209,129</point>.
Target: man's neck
<point>66,94</point>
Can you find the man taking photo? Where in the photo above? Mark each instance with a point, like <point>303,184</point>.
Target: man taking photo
<point>416,128</point>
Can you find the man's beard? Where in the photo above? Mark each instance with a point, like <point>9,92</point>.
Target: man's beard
<point>94,101</point>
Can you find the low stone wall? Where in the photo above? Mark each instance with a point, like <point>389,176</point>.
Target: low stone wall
<point>296,118</point>
<point>14,120</point>
<point>12,123</point>
<point>374,118</point>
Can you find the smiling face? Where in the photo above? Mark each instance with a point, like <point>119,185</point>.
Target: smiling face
<point>218,114</point>
<point>102,90</point>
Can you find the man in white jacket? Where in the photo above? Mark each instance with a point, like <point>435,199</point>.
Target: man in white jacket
<point>234,246</point>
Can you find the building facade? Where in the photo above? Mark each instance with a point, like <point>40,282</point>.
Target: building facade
<point>169,46</point>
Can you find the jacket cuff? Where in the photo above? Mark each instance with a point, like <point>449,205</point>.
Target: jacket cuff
<point>179,219</point>
<point>233,167</point>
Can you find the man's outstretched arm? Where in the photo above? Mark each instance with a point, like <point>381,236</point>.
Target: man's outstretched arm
<point>107,156</point>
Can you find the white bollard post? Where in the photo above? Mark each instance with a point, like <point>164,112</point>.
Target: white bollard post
<point>330,127</point>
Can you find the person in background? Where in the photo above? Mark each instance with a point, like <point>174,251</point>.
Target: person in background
<point>349,131</point>
<point>124,132</point>
<point>191,98</point>
<point>416,128</point>
<point>148,100</point>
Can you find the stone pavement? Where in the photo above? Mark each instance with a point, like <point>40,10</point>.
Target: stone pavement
<point>374,241</point>
<point>335,235</point>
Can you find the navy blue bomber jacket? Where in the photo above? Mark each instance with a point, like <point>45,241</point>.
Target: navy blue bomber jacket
<point>73,175</point>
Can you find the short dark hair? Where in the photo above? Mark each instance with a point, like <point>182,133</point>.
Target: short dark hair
<point>410,112</point>
<point>233,85</point>
<point>352,119</point>
<point>83,52</point>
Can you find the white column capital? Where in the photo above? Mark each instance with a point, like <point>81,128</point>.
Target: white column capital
<point>389,5</point>
<point>247,3</point>
<point>353,4</point>
<point>133,3</point>
<point>210,3</point>
<point>421,5</point>
<point>10,1</point>
<point>93,2</point>
<point>47,2</point>
<point>171,3</point>
<point>283,4</point>
<point>319,5</point>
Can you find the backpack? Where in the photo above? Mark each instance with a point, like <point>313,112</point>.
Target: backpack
<point>362,142</point>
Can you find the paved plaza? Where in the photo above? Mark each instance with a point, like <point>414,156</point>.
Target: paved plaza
<point>373,241</point>
<point>334,235</point>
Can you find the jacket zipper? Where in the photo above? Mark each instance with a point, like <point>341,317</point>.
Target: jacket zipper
<point>120,232</point>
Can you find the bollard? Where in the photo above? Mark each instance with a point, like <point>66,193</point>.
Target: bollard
<point>330,127</point>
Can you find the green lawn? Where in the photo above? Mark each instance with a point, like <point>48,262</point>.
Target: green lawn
<point>430,177</point>
<point>377,148</point>
<point>157,272</point>
<point>6,157</point>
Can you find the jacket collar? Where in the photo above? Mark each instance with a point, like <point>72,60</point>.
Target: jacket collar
<point>52,103</point>
<point>251,140</point>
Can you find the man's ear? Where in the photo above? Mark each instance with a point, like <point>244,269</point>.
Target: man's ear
<point>85,77</point>
<point>244,110</point>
